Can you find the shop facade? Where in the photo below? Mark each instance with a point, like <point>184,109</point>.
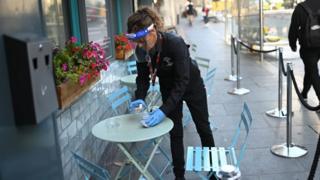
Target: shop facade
<point>43,150</point>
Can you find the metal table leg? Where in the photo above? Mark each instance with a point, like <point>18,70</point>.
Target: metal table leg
<point>138,164</point>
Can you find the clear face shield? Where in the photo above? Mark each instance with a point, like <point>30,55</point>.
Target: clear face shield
<point>139,36</point>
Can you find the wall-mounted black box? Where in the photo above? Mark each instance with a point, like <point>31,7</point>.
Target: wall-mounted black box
<point>29,60</point>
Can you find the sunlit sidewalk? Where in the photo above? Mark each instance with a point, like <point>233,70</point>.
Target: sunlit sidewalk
<point>261,78</point>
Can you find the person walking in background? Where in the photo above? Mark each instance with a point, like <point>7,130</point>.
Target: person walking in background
<point>310,46</point>
<point>166,56</point>
<point>190,11</point>
<point>205,11</point>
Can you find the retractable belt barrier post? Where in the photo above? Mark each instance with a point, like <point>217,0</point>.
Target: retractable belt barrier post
<point>289,149</point>
<point>238,90</point>
<point>233,51</point>
<point>279,112</point>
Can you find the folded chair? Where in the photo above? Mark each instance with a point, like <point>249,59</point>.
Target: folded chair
<point>91,171</point>
<point>208,80</point>
<point>211,159</point>
<point>203,63</point>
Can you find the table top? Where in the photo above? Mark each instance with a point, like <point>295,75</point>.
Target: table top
<point>127,128</point>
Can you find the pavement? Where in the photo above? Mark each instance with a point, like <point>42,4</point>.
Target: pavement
<point>261,78</point>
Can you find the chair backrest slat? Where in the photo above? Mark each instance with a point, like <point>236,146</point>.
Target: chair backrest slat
<point>245,122</point>
<point>214,159</point>
<point>222,157</point>
<point>203,62</point>
<point>118,98</point>
<point>115,94</point>
<point>247,112</point>
<point>198,159</point>
<point>210,74</point>
<point>189,165</point>
<point>206,159</point>
<point>121,101</point>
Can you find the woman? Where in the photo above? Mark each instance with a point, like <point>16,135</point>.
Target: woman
<point>166,56</point>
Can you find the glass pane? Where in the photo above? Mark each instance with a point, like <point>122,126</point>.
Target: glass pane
<point>97,22</point>
<point>54,24</point>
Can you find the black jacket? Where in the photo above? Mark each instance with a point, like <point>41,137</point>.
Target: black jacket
<point>298,23</point>
<point>179,78</point>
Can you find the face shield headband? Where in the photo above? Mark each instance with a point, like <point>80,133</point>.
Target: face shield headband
<point>140,34</point>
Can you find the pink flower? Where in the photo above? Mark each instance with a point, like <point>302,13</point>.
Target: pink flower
<point>64,67</point>
<point>88,54</point>
<point>82,79</point>
<point>93,65</point>
<point>73,39</point>
<point>94,54</point>
<point>105,67</point>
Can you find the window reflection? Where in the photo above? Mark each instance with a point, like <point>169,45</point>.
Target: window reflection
<point>53,20</point>
<point>97,23</point>
<point>276,19</point>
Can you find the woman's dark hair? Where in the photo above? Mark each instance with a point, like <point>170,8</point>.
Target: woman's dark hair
<point>142,19</point>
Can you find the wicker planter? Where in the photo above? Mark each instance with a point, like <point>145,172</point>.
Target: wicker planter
<point>123,54</point>
<point>69,92</point>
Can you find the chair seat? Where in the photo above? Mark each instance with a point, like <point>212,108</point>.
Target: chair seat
<point>198,158</point>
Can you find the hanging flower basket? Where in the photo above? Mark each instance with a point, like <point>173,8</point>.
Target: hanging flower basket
<point>124,48</point>
<point>76,68</point>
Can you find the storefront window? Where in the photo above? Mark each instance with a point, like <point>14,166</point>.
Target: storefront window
<point>276,20</point>
<point>53,21</point>
<point>97,23</point>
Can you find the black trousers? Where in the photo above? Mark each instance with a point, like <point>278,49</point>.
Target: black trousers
<point>310,57</point>
<point>197,104</point>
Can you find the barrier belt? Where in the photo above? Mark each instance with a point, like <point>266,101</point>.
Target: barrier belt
<point>255,50</point>
<point>282,63</point>
<point>234,45</point>
<point>315,161</point>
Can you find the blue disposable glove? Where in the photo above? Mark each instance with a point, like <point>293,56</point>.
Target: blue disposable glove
<point>134,104</point>
<point>154,118</point>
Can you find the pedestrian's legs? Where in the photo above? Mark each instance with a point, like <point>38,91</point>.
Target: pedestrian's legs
<point>310,59</point>
<point>176,141</point>
<point>190,19</point>
<point>307,74</point>
<point>199,111</point>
